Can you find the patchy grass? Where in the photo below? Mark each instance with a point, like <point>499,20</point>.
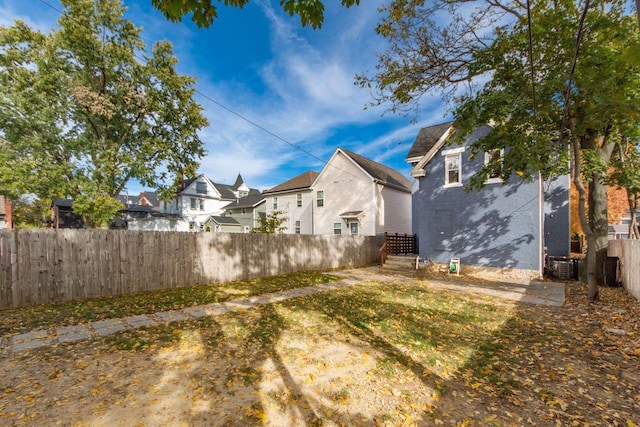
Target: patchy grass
<point>71,313</point>
<point>389,354</point>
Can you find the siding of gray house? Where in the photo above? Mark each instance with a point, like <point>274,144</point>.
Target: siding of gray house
<point>494,227</point>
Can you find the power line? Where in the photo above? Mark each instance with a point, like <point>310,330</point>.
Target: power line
<point>240,116</point>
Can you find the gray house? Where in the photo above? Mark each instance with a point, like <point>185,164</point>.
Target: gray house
<point>496,231</point>
<point>247,211</point>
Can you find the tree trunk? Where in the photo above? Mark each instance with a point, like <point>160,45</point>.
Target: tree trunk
<point>599,225</point>
<point>632,199</point>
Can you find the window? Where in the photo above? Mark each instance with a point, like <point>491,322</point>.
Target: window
<point>192,226</point>
<point>201,187</point>
<point>193,203</point>
<point>299,199</point>
<point>493,159</point>
<point>246,229</point>
<point>452,169</point>
<point>201,204</point>
<point>297,227</point>
<point>353,227</point>
<point>244,210</point>
<point>320,198</point>
<point>275,203</point>
<point>337,228</point>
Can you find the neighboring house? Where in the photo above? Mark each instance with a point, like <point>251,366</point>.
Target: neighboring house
<point>351,195</point>
<point>618,231</point>
<point>222,224</point>
<point>200,198</point>
<point>495,230</point>
<point>247,211</point>
<point>62,215</point>
<point>5,213</point>
<point>621,231</point>
<point>295,199</point>
<point>146,218</point>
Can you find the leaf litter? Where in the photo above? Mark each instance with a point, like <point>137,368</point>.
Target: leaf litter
<point>400,352</point>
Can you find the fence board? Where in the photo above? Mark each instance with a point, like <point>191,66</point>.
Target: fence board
<point>628,251</point>
<point>43,266</point>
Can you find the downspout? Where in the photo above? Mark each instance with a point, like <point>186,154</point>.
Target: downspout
<point>541,226</point>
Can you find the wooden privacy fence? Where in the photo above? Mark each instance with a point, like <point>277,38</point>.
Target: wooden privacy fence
<point>628,253</point>
<point>43,266</point>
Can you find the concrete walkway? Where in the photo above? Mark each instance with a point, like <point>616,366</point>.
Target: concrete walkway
<point>535,293</point>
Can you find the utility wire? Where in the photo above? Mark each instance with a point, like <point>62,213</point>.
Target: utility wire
<point>240,116</point>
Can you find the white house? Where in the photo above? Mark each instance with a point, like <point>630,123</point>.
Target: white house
<point>295,199</point>
<point>351,195</point>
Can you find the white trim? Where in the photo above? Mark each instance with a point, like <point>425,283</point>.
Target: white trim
<point>458,156</point>
<point>451,151</point>
<point>495,180</point>
<point>416,171</point>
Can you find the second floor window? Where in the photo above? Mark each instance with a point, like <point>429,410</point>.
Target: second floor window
<point>493,159</point>
<point>452,169</point>
<point>320,198</point>
<point>275,203</point>
<point>193,203</point>
<point>201,187</point>
<point>299,199</point>
<point>201,204</point>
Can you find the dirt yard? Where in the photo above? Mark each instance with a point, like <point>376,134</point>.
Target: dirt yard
<point>413,355</point>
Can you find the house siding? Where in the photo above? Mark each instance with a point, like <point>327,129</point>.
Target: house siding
<point>496,227</point>
<point>346,188</point>
<point>396,212</point>
<point>287,203</point>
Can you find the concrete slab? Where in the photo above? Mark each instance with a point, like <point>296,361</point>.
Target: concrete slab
<point>72,333</point>
<point>139,321</point>
<point>108,327</point>
<point>196,312</point>
<point>171,316</point>
<point>30,340</point>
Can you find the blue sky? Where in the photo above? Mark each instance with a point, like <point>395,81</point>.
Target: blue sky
<point>295,82</point>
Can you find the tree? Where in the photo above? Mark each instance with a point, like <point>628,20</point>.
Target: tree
<point>492,71</point>
<point>272,223</point>
<point>311,12</point>
<point>85,110</point>
<point>28,212</point>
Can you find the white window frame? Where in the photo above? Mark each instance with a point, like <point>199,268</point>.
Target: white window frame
<point>487,159</point>
<point>297,227</point>
<point>320,198</point>
<point>201,204</point>
<point>201,187</point>
<point>192,203</point>
<point>299,200</point>
<point>451,154</point>
<point>337,228</point>
<point>275,203</point>
<point>351,228</point>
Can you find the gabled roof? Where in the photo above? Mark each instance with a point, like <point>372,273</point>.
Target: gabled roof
<point>151,196</point>
<point>426,145</point>
<point>224,220</point>
<point>300,182</point>
<point>238,183</point>
<point>379,172</point>
<point>250,201</point>
<point>427,139</point>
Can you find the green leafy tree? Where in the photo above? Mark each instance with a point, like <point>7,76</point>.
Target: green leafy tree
<point>272,223</point>
<point>28,212</point>
<point>85,110</point>
<point>482,62</point>
<point>203,12</point>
